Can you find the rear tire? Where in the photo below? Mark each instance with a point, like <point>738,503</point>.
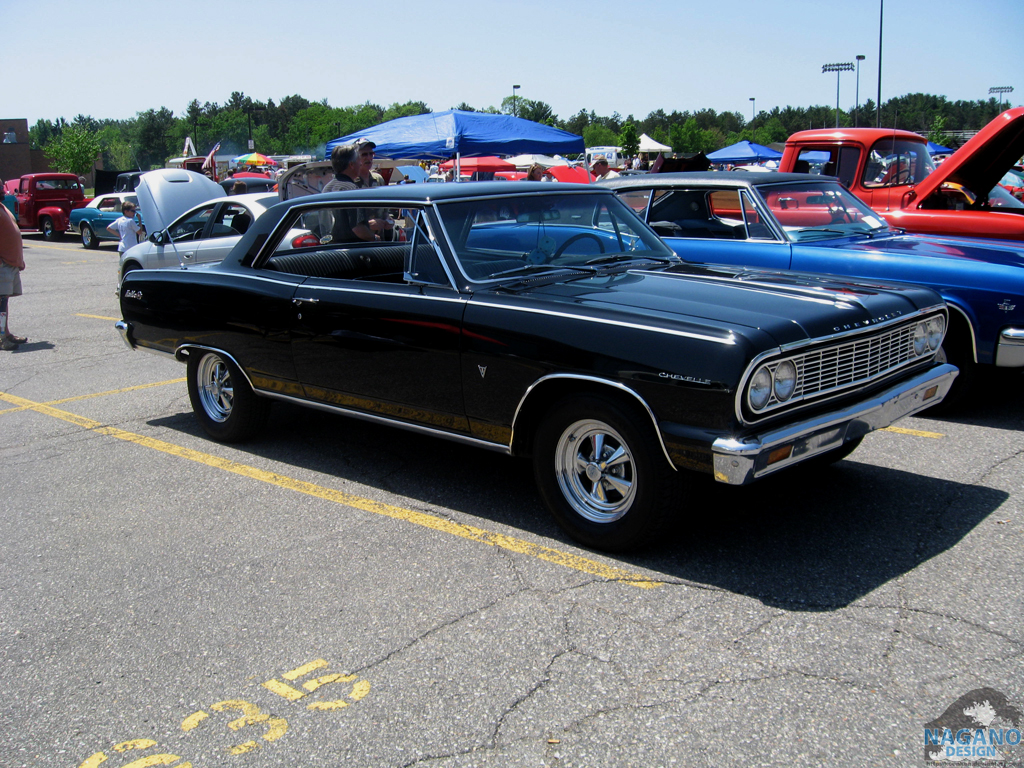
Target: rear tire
<point>225,405</point>
<point>601,472</point>
<point>956,350</point>
<point>88,237</point>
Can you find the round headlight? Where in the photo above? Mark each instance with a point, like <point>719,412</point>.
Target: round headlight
<point>920,339</point>
<point>760,388</point>
<point>785,381</point>
<point>936,326</point>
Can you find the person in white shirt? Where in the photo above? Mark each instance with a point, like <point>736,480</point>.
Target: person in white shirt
<point>600,168</point>
<point>127,228</point>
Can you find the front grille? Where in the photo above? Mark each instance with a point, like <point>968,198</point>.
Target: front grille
<point>833,368</point>
<point>824,370</point>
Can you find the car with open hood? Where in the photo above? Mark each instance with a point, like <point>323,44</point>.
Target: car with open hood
<point>814,224</point>
<point>542,320</point>
<point>189,219</point>
<point>892,171</point>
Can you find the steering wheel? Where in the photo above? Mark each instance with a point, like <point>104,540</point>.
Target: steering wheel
<point>562,248</point>
<point>902,176</point>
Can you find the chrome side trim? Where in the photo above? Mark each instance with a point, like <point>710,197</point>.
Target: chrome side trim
<point>593,380</point>
<point>363,416</point>
<point>729,340</point>
<point>737,462</point>
<point>1010,349</point>
<point>125,330</point>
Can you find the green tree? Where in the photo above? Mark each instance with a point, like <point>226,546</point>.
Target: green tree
<point>409,109</point>
<point>937,133</point>
<point>629,140</point>
<point>74,151</point>
<point>599,136</point>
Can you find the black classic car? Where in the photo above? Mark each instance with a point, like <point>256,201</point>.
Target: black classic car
<point>544,320</point>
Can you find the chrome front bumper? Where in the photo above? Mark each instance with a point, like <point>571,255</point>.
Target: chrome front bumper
<point>1010,348</point>
<point>738,462</point>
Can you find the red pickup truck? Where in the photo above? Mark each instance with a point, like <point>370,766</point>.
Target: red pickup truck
<point>891,171</point>
<point>43,202</point>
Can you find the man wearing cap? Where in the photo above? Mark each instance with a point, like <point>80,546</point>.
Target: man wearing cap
<point>600,168</point>
<point>379,219</point>
<point>350,225</point>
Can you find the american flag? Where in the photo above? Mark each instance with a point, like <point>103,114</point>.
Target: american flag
<point>208,162</point>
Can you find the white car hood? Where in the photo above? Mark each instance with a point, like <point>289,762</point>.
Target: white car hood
<point>167,193</point>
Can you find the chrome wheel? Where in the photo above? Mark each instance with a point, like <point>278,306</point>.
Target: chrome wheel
<point>596,471</point>
<point>215,388</point>
<point>88,237</point>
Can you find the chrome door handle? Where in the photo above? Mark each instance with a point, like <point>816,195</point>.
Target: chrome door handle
<point>298,302</point>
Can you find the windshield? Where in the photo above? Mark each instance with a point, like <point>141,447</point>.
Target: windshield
<point>816,211</point>
<point>897,162</point>
<point>499,237</point>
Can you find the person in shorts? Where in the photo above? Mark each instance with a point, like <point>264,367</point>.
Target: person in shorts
<point>12,262</point>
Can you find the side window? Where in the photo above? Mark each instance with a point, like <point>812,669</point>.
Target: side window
<point>191,226</point>
<point>233,220</point>
<point>109,204</point>
<point>424,261</point>
<point>849,161</point>
<point>756,228</point>
<point>637,199</point>
<point>898,162</point>
<point>310,247</point>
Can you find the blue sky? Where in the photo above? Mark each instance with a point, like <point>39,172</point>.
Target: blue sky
<point>67,57</point>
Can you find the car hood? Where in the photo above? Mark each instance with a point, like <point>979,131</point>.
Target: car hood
<point>981,162</point>
<point>167,193</point>
<point>1002,252</point>
<point>790,307</point>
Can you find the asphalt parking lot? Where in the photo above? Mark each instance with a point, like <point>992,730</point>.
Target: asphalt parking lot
<point>336,593</point>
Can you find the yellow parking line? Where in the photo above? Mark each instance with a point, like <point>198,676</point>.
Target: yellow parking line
<point>914,432</point>
<point>94,394</point>
<point>433,522</point>
<point>97,317</point>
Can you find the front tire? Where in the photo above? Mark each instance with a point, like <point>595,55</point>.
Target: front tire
<point>225,405</point>
<point>88,237</point>
<point>49,230</point>
<point>601,472</point>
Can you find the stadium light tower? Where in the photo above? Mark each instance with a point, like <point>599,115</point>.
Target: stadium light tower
<point>999,90</point>
<point>838,69</point>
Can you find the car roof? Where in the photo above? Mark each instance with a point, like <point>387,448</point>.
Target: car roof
<point>454,190</point>
<point>712,179</point>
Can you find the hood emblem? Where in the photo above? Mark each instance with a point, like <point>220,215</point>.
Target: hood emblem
<point>1006,306</point>
<point>482,369</point>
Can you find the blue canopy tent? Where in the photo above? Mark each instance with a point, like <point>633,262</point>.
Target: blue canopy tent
<point>938,149</point>
<point>744,152</point>
<point>441,135</point>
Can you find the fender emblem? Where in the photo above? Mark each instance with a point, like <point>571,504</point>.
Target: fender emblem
<point>482,369</point>
<point>1006,306</point>
<point>133,294</point>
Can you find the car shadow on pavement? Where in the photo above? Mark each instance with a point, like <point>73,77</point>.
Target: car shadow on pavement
<point>993,401</point>
<point>813,540</point>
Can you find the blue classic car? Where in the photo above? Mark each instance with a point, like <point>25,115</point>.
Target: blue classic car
<point>91,221</point>
<point>814,224</point>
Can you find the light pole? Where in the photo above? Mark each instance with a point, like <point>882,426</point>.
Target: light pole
<point>838,69</point>
<point>999,90</point>
<point>515,106</point>
<point>878,100</point>
<point>856,108</point>
<point>753,109</point>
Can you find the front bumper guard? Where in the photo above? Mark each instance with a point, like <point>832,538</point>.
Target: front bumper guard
<point>738,462</point>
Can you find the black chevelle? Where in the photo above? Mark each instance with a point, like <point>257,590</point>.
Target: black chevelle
<point>544,320</point>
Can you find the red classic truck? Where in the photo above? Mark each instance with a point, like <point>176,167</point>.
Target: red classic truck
<point>43,202</point>
<point>892,172</point>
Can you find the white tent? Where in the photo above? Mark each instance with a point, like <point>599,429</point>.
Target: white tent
<point>647,144</point>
